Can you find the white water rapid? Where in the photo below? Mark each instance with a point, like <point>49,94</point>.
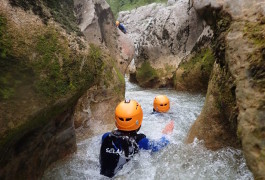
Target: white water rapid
<point>178,160</point>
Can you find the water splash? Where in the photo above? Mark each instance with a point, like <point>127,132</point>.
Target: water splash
<point>176,161</point>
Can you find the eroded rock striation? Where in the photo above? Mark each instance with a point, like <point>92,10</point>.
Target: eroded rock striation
<point>163,37</point>
<point>46,65</point>
<point>234,111</point>
<point>96,21</point>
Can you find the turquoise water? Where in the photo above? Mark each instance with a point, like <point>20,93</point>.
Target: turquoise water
<point>177,161</point>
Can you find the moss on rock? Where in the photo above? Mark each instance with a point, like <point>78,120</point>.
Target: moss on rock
<point>235,98</point>
<point>224,85</point>
<point>61,10</point>
<point>119,74</point>
<point>217,123</point>
<point>43,72</point>
<point>39,70</point>
<point>194,74</point>
<point>146,75</point>
<point>256,33</point>
<point>55,69</point>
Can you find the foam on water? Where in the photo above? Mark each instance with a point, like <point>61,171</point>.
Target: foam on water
<point>177,161</point>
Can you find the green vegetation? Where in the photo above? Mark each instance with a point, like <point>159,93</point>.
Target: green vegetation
<point>256,33</point>
<point>119,74</point>
<point>124,5</point>
<point>54,71</point>
<point>52,80</point>
<point>167,71</point>
<point>121,87</point>
<point>146,73</point>
<point>220,24</point>
<point>61,11</point>
<point>224,89</point>
<point>57,72</point>
<point>12,72</point>
<point>42,70</point>
<point>205,58</point>
<point>95,56</point>
<point>194,75</point>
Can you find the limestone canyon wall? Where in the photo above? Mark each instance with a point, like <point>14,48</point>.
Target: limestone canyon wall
<point>46,65</point>
<point>234,111</point>
<point>163,36</point>
<point>96,21</point>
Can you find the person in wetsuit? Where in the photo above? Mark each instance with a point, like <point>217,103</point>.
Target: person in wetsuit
<point>121,27</point>
<point>119,146</point>
<point>161,104</point>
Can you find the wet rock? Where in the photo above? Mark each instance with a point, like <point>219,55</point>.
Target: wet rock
<point>45,68</point>
<point>163,36</point>
<point>30,154</point>
<point>194,73</point>
<point>94,112</point>
<point>234,107</point>
<point>217,123</point>
<point>95,107</point>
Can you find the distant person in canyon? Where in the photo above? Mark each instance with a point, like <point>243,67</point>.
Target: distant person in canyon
<point>121,27</point>
<point>161,104</point>
<point>119,146</point>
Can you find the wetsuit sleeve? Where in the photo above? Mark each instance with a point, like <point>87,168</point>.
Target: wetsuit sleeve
<point>104,136</point>
<point>152,145</point>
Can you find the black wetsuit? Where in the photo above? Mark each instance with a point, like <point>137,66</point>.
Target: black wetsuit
<point>122,28</point>
<point>117,148</point>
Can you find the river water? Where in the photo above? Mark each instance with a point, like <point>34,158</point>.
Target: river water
<point>177,161</point>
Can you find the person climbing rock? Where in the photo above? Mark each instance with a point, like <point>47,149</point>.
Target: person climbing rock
<point>161,104</point>
<point>120,145</point>
<point>121,27</point>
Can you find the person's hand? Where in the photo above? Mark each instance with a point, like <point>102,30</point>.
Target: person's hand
<point>168,128</point>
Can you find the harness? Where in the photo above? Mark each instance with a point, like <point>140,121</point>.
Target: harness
<point>117,149</point>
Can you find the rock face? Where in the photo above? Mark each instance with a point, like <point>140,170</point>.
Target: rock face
<point>97,105</point>
<point>38,148</point>
<point>36,119</point>
<point>96,21</point>
<point>194,72</point>
<point>236,93</point>
<point>94,111</point>
<point>127,51</point>
<point>163,36</point>
<point>45,68</point>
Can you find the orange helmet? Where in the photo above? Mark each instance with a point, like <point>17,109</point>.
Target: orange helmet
<point>117,23</point>
<point>161,103</point>
<point>128,115</point>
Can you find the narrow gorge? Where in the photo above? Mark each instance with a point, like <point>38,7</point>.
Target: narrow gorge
<point>64,67</point>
